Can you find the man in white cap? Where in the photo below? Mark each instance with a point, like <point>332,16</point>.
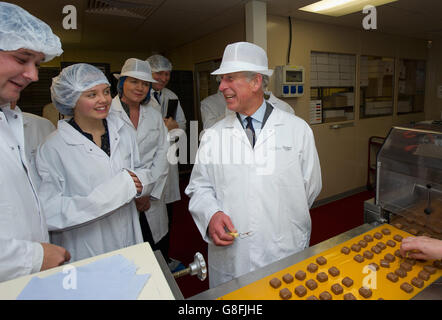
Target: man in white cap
<point>174,118</point>
<point>25,42</point>
<point>214,108</point>
<point>256,174</point>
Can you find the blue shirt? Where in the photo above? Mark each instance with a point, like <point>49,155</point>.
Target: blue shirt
<point>257,118</point>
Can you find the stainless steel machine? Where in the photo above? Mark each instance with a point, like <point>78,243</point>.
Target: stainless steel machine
<point>409,180</point>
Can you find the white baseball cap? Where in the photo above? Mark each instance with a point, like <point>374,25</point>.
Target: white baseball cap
<point>244,56</point>
<point>136,68</point>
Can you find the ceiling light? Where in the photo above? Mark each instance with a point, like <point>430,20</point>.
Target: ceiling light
<point>337,8</point>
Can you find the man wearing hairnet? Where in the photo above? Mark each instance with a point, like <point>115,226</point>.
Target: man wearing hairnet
<point>256,174</point>
<point>174,118</point>
<point>25,42</point>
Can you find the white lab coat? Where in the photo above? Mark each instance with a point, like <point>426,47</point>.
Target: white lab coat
<point>268,191</point>
<point>153,145</point>
<point>172,189</point>
<point>22,225</point>
<point>87,196</point>
<point>36,129</point>
<point>214,108</point>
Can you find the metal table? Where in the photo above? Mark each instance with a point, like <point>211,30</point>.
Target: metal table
<point>432,292</point>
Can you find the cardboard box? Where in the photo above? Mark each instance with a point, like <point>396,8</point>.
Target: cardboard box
<point>334,101</point>
<point>314,67</point>
<point>322,68</point>
<point>333,68</point>
<point>347,83</point>
<point>346,75</point>
<point>333,75</point>
<point>346,68</point>
<point>323,75</point>
<point>313,75</point>
<point>333,113</point>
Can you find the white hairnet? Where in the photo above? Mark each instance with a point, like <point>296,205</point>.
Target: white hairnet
<point>19,29</point>
<point>68,86</point>
<point>159,63</point>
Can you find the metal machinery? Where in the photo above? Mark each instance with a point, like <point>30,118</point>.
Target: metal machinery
<point>409,180</point>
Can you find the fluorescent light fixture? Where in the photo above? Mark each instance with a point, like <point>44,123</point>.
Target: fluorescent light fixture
<point>337,8</point>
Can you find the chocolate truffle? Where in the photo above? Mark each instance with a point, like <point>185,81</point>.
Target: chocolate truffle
<point>348,282</point>
<point>368,238</point>
<point>321,260</point>
<point>437,264</point>
<point>275,283</point>
<point>337,288</point>
<point>300,291</point>
<point>349,296</point>
<point>424,275</point>
<point>345,250</point>
<point>401,272</point>
<point>300,275</point>
<point>311,284</point>
<point>398,225</point>
<point>385,264</point>
<point>398,238</point>
<point>417,282</point>
<point>411,261</point>
<point>363,243</point>
<point>359,258</point>
<point>312,267</point>
<point>397,253</point>
<point>389,257</point>
<point>377,235</point>
<point>391,243</point>
<point>408,288</point>
<point>312,298</point>
<point>381,245</point>
<point>356,247</point>
<point>373,266</point>
<point>386,231</point>
<point>365,292</point>
<point>392,277</point>
<point>334,271</point>
<point>285,294</point>
<point>406,266</point>
<point>368,255</point>
<point>413,232</point>
<point>288,278</point>
<point>322,277</point>
<point>376,249</point>
<point>325,296</point>
<point>430,269</point>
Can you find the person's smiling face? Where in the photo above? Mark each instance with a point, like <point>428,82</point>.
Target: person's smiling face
<point>18,69</point>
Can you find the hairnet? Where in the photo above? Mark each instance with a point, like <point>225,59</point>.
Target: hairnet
<point>68,86</point>
<point>19,29</point>
<point>159,63</point>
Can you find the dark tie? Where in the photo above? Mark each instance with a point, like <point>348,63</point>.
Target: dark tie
<point>157,96</point>
<point>250,131</point>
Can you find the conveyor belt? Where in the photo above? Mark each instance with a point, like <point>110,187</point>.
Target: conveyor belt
<point>381,286</point>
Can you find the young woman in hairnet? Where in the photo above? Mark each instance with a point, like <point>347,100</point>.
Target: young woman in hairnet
<point>25,42</point>
<point>90,169</point>
<point>134,106</point>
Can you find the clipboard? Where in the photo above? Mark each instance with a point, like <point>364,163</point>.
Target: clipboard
<point>172,106</point>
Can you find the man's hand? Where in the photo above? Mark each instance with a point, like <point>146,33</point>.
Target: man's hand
<point>143,203</point>
<point>424,248</point>
<point>53,256</point>
<point>217,229</point>
<point>170,123</point>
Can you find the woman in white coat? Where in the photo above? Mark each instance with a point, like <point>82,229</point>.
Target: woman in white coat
<point>90,169</point>
<point>134,106</point>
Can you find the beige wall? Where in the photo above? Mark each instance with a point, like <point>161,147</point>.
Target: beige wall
<point>343,152</point>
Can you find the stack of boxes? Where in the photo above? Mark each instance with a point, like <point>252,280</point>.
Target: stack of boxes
<point>379,92</point>
<point>332,70</point>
